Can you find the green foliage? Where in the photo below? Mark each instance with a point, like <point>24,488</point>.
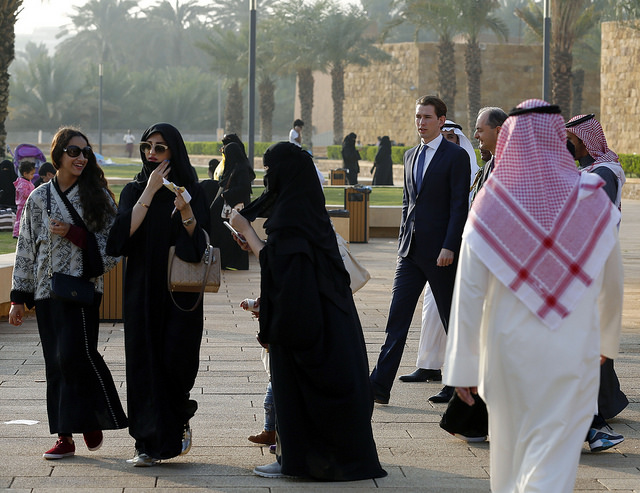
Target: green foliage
<point>213,148</point>
<point>630,164</point>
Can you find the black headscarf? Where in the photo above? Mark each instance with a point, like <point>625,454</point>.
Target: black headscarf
<point>293,199</point>
<point>7,189</point>
<point>182,172</point>
<point>235,157</point>
<point>349,151</point>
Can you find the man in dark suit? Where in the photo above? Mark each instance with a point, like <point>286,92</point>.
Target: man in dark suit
<point>434,210</point>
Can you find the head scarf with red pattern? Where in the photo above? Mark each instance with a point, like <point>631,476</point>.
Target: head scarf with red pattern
<point>541,227</point>
<point>591,134</point>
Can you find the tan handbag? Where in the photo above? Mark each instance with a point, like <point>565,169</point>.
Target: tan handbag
<point>194,277</point>
<point>358,274</point>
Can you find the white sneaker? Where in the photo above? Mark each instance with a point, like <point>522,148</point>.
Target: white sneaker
<point>142,460</point>
<point>273,470</point>
<point>603,438</point>
<point>186,439</point>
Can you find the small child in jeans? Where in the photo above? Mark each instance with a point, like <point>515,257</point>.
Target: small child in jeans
<point>268,435</point>
<point>24,187</point>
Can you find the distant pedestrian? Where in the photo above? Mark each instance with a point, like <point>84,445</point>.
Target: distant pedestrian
<point>295,134</point>
<point>383,163</point>
<point>129,139</point>
<point>350,158</point>
<point>23,187</point>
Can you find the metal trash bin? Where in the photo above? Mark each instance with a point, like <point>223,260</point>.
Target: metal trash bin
<point>112,305</point>
<point>338,177</point>
<point>356,201</point>
<point>340,220</point>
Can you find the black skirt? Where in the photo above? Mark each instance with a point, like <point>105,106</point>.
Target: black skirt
<point>81,395</point>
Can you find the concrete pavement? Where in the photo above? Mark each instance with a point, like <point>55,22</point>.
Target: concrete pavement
<point>416,453</point>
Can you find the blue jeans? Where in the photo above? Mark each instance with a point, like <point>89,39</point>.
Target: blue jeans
<point>269,410</point>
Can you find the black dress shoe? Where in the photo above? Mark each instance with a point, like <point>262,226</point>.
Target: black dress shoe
<point>380,399</point>
<point>444,395</point>
<point>422,375</point>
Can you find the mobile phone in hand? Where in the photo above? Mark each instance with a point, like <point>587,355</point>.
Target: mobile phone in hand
<point>233,230</point>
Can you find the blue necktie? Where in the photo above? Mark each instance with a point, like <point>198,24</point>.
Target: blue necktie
<point>420,167</point>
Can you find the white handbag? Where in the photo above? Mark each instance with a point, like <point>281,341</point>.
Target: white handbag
<point>359,275</point>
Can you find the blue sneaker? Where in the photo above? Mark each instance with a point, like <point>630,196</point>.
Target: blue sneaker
<point>603,438</point>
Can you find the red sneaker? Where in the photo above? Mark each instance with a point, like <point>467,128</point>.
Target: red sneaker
<point>93,440</point>
<point>61,449</point>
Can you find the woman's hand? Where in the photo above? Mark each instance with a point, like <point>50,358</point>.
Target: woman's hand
<point>239,222</point>
<point>156,179</point>
<point>183,206</point>
<point>465,394</point>
<point>59,228</point>
<point>16,312</point>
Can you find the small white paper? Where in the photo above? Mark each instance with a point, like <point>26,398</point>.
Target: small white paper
<point>28,422</point>
<point>175,189</point>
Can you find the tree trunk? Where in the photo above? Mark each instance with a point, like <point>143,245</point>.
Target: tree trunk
<point>561,62</point>
<point>305,94</point>
<point>447,75</point>
<point>578,86</point>
<point>473,68</point>
<point>267,90</point>
<point>7,54</point>
<point>337,95</point>
<point>233,110</point>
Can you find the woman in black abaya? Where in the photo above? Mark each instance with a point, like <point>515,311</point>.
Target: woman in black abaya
<point>162,342</point>
<point>235,190</point>
<point>350,158</point>
<point>383,164</point>
<point>319,364</point>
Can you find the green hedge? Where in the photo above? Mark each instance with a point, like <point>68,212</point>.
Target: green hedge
<point>213,148</point>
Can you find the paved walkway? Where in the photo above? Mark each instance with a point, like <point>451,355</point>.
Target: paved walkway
<point>417,454</point>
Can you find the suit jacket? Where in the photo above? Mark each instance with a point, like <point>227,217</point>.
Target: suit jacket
<point>435,215</point>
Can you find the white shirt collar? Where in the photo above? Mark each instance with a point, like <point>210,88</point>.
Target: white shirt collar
<point>434,143</point>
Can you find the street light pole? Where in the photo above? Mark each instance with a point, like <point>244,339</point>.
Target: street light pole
<point>546,62</point>
<point>100,110</point>
<point>252,77</point>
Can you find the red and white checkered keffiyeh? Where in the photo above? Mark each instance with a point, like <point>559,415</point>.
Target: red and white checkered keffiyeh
<point>540,226</point>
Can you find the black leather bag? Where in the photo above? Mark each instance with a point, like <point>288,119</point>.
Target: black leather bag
<point>72,289</point>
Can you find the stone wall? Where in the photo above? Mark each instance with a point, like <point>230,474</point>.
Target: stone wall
<point>620,86</point>
<point>380,98</point>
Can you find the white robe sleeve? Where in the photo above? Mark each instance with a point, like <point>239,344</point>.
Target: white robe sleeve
<point>462,359</point>
<point>610,304</point>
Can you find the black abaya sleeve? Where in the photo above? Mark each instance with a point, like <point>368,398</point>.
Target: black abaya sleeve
<point>118,243</point>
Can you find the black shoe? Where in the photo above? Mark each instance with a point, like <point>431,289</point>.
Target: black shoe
<point>444,395</point>
<point>423,375</point>
<point>380,399</point>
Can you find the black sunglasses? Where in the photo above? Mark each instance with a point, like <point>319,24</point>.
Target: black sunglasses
<point>74,151</point>
<point>159,148</point>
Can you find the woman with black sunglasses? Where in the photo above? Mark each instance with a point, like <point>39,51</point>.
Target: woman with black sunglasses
<point>162,342</point>
<point>64,229</point>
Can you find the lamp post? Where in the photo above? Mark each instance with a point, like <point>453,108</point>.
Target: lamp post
<point>100,110</point>
<point>546,63</point>
<point>252,77</point>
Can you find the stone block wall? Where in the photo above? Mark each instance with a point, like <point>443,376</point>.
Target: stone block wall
<point>620,86</point>
<point>380,98</point>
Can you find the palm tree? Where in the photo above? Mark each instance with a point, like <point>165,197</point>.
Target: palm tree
<point>477,16</point>
<point>101,28</point>
<point>345,42</point>
<point>570,25</point>
<point>300,25</point>
<point>9,9</point>
<point>178,21</point>
<point>442,18</point>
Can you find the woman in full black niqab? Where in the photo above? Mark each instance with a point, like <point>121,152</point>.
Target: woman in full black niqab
<point>319,366</point>
<point>162,342</point>
<point>235,190</point>
<point>350,158</point>
<point>383,164</point>
<point>7,189</point>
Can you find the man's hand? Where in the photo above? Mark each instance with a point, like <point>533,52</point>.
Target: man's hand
<point>445,258</point>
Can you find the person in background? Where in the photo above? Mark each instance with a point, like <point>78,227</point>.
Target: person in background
<point>64,227</point>
<point>234,193</point>
<point>350,158</point>
<point>295,134</point>
<point>383,164</point>
<point>45,172</point>
<point>7,190</point>
<point>162,340</point>
<point>211,186</point>
<point>537,303</point>
<point>129,139</point>
<point>318,356</point>
<point>24,187</point>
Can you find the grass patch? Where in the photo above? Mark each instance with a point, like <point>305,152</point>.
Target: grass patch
<point>7,242</point>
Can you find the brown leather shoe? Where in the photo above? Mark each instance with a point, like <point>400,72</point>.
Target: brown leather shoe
<point>264,438</point>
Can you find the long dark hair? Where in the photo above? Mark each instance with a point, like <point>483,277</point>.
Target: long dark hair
<point>91,183</point>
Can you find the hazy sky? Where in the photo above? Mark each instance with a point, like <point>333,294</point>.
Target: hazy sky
<point>53,13</point>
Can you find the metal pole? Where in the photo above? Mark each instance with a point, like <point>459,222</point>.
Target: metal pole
<point>546,58</point>
<point>100,110</point>
<point>252,77</point>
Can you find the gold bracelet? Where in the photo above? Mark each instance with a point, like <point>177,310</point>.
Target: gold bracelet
<point>143,204</point>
